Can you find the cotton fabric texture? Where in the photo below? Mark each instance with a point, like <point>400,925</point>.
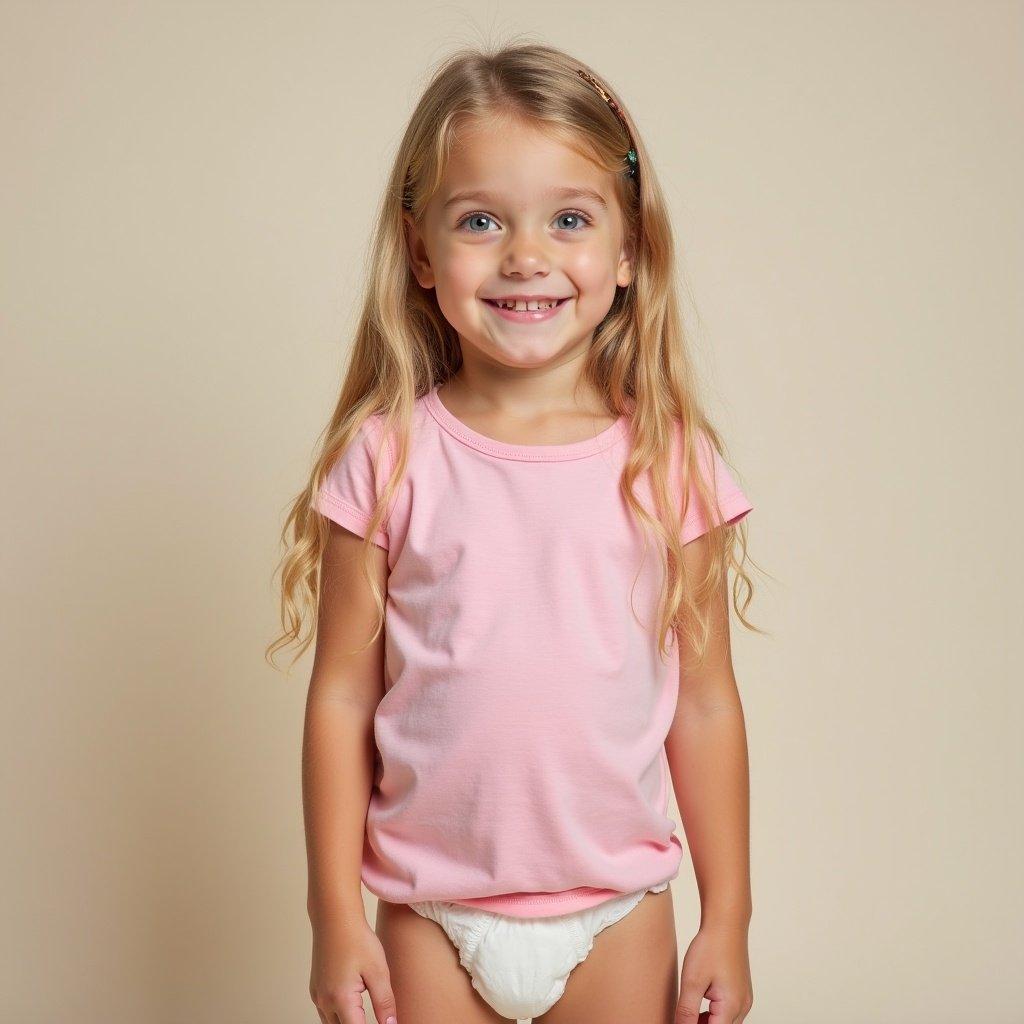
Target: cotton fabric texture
<point>520,763</point>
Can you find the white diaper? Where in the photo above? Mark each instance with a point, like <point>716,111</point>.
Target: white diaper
<point>520,965</point>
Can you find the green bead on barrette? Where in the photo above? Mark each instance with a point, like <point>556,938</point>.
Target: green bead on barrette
<point>631,157</point>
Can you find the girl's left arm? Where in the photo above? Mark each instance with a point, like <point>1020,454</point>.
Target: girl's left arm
<point>706,750</point>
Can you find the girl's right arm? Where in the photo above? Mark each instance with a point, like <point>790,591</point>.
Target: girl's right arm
<point>337,778</point>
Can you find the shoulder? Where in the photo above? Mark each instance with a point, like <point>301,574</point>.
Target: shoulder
<point>695,440</point>
<point>365,445</point>
<point>374,438</point>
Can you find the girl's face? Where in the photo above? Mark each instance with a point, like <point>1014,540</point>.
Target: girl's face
<point>520,214</point>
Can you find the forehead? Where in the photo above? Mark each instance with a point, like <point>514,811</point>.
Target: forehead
<point>521,164</point>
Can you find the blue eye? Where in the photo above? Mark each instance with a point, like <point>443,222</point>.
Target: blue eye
<point>471,217</point>
<point>577,215</point>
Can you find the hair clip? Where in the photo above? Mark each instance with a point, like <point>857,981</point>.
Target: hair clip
<point>631,155</point>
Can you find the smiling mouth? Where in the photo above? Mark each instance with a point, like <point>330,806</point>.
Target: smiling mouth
<point>521,312</point>
<point>512,306</point>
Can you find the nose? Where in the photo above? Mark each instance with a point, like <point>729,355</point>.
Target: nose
<point>525,256</point>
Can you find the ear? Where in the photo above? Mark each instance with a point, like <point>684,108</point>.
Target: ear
<point>419,261</point>
<point>624,271</point>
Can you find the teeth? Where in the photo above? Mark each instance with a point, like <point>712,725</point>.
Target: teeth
<point>524,306</point>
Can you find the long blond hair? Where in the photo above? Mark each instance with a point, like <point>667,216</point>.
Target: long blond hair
<point>638,361</point>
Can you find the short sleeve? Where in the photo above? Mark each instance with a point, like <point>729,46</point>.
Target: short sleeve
<point>733,504</point>
<point>349,491</point>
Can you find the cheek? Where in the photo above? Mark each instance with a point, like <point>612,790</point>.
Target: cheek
<point>593,271</point>
<point>463,271</point>
<point>460,277</point>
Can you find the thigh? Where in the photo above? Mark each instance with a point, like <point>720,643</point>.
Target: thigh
<point>630,974</point>
<point>429,983</point>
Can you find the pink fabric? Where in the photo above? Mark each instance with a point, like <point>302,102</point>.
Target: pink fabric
<point>520,741</point>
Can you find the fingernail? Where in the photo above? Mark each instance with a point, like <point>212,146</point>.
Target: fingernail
<point>391,1020</point>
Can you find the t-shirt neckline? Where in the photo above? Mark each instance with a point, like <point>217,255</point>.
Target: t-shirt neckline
<point>523,452</point>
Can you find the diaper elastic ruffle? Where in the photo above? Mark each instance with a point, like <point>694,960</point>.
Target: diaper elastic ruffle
<point>520,966</point>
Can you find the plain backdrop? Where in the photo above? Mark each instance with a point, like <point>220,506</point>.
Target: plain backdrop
<point>187,193</point>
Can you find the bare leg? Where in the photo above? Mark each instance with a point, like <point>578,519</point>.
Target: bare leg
<point>429,983</point>
<point>630,974</point>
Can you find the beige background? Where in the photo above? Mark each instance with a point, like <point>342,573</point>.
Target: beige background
<point>187,194</point>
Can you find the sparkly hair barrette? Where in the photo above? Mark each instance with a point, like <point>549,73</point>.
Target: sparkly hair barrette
<point>631,155</point>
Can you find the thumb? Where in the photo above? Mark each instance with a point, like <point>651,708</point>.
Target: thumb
<point>382,998</point>
<point>688,1007</point>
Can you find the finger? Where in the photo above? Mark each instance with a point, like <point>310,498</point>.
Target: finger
<point>722,1010</point>
<point>327,1016</point>
<point>347,1006</point>
<point>688,1007</point>
<point>744,1011</point>
<point>382,997</point>
<point>349,1015</point>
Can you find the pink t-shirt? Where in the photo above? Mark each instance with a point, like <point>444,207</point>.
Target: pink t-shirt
<point>520,761</point>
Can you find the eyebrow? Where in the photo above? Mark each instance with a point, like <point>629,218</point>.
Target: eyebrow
<point>565,192</point>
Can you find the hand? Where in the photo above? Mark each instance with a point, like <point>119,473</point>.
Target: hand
<point>716,967</point>
<point>348,959</point>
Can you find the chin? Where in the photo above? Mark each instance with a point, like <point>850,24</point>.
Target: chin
<point>530,361</point>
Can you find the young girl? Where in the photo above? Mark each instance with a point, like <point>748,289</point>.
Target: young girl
<point>515,545</point>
